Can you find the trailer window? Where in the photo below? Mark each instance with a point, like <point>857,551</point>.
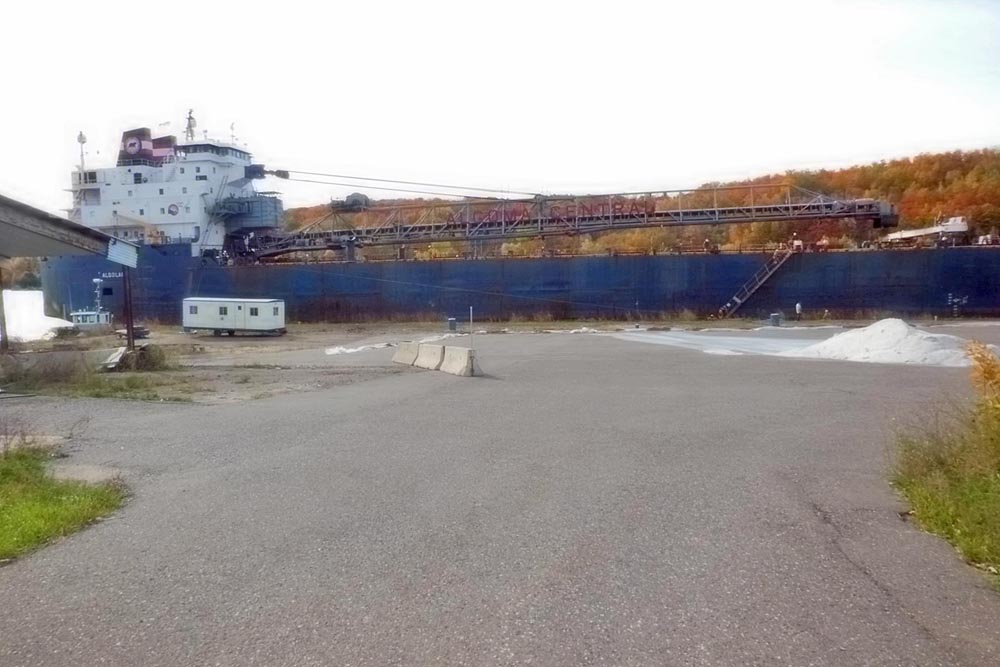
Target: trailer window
<point>254,312</point>
<point>275,311</point>
<point>223,310</point>
<point>193,310</point>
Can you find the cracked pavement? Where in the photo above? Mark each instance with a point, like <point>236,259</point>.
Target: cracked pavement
<point>590,502</point>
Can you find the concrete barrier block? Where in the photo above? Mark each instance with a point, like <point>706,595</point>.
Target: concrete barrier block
<point>406,353</point>
<point>429,356</point>
<point>459,361</point>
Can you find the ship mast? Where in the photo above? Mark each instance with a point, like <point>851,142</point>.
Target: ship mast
<point>81,139</point>
<point>191,124</point>
<point>75,213</point>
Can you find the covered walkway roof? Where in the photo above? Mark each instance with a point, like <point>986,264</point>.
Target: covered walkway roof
<point>26,231</point>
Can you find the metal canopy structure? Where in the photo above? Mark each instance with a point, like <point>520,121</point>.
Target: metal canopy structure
<point>26,231</point>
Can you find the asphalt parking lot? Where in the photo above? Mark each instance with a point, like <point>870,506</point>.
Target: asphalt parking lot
<point>589,501</point>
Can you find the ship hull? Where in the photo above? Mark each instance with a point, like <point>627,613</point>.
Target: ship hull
<point>953,281</point>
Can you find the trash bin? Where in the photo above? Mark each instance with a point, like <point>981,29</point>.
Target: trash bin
<point>775,319</point>
<point>452,324</point>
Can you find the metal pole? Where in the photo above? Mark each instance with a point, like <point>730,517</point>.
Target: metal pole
<point>129,328</point>
<point>471,341</point>
<point>4,340</point>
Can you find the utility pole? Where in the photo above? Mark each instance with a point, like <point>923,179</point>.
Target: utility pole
<point>129,325</point>
<point>4,340</point>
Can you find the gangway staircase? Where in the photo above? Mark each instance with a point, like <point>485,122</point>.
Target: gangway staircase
<point>763,274</point>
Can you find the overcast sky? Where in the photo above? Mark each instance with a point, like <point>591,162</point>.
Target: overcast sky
<point>535,96</point>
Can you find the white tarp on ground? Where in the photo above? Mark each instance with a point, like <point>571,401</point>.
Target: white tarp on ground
<point>709,342</point>
<point>341,349</point>
<point>26,318</point>
<point>890,341</point>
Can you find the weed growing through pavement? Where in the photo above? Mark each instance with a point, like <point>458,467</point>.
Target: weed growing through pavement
<point>951,475</point>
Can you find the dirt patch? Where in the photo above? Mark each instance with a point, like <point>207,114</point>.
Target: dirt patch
<point>81,472</point>
<point>216,385</point>
<point>10,441</point>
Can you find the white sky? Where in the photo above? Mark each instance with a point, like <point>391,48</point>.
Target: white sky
<point>537,96</point>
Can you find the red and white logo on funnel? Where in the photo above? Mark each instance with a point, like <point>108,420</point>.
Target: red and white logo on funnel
<point>133,145</point>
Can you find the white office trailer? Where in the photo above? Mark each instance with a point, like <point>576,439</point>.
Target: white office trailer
<point>221,315</point>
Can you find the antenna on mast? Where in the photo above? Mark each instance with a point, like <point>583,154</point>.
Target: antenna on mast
<point>81,139</point>
<point>191,124</point>
<point>232,133</point>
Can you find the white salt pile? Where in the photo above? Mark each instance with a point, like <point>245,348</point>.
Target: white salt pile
<point>889,341</point>
<point>26,318</point>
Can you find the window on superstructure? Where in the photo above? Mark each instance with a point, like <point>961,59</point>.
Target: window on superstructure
<point>213,170</point>
<point>223,310</point>
<point>187,209</point>
<point>197,170</point>
<point>184,191</point>
<point>137,178</point>
<point>182,170</point>
<point>161,191</point>
<point>275,311</point>
<point>193,310</point>
<point>201,177</point>
<point>129,193</point>
<point>142,211</point>
<point>254,312</point>
<point>163,211</point>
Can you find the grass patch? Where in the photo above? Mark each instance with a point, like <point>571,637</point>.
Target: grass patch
<point>138,387</point>
<point>951,476</point>
<point>71,376</point>
<point>35,508</point>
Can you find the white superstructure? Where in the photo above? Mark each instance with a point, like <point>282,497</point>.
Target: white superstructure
<point>955,225</point>
<point>162,191</point>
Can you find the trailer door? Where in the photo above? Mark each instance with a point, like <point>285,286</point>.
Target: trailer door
<point>240,317</point>
<point>225,316</point>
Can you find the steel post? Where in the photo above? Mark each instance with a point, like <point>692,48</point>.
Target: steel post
<point>4,339</point>
<point>129,322</point>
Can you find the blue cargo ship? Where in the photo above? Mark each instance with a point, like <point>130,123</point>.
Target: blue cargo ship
<point>192,207</point>
<point>951,281</point>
